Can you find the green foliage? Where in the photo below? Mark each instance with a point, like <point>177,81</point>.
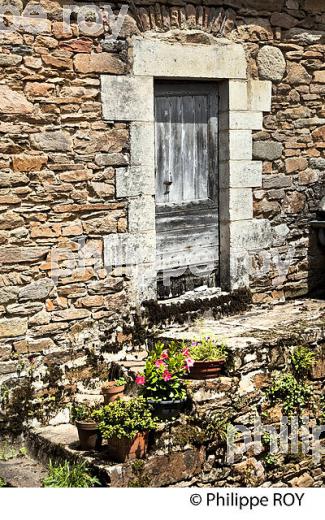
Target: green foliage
<point>124,418</point>
<point>302,359</point>
<point>82,412</point>
<point>292,394</point>
<point>164,369</point>
<point>121,381</point>
<point>68,475</point>
<point>270,460</point>
<point>209,349</point>
<point>218,427</point>
<point>9,451</point>
<point>2,483</point>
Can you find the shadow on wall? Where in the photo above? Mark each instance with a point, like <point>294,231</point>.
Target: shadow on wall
<point>316,254</point>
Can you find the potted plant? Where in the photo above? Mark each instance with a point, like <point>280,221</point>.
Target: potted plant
<point>113,390</point>
<point>88,432</point>
<point>209,356</point>
<point>162,382</point>
<point>125,423</point>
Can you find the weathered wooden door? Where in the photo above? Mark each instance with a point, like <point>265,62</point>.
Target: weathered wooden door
<point>186,186</point>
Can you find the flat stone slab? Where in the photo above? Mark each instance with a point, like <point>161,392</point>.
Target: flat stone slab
<point>157,470</point>
<point>22,472</point>
<point>304,318</point>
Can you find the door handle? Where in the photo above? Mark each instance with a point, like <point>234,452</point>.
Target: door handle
<point>169,181</point>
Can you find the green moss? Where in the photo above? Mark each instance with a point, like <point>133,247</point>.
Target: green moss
<point>188,434</point>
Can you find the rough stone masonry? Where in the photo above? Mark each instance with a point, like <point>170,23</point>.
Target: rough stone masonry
<point>59,158</point>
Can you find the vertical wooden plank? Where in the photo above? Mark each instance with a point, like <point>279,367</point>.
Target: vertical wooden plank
<point>201,116</point>
<point>213,147</point>
<point>177,152</point>
<point>162,131</point>
<point>189,164</point>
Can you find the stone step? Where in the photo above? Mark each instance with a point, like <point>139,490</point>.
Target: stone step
<point>22,472</point>
<point>159,469</point>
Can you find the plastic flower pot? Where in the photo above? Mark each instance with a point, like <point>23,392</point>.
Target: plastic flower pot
<point>206,369</point>
<point>167,410</point>
<point>111,392</point>
<point>89,436</point>
<point>121,450</point>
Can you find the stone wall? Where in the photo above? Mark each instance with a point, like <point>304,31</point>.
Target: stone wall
<point>191,450</point>
<point>58,161</point>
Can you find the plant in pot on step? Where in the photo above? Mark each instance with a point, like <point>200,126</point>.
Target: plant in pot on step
<point>162,382</point>
<point>113,390</point>
<point>209,355</point>
<point>125,424</point>
<point>89,436</point>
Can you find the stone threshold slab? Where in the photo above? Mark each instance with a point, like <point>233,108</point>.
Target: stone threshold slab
<point>302,320</point>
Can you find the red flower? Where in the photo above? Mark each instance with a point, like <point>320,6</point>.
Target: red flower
<point>164,354</point>
<point>140,380</point>
<point>189,362</point>
<point>166,375</point>
<point>159,363</point>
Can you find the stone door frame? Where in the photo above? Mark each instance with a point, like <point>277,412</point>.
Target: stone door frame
<point>242,103</point>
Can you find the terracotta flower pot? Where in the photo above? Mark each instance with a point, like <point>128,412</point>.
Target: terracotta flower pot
<point>112,392</point>
<point>89,435</point>
<point>121,450</point>
<point>206,369</point>
<point>167,410</point>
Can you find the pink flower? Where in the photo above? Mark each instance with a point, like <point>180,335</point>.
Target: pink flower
<point>140,380</point>
<point>189,362</point>
<point>164,354</point>
<point>186,352</point>
<point>166,375</point>
<point>159,363</point>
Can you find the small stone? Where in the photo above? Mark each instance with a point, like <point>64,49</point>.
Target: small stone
<point>57,63</point>
<point>61,30</point>
<point>7,60</point>
<point>317,163</point>
<point>36,291</point>
<point>102,189</point>
<point>102,225</point>
<point>36,89</point>
<point>102,62</point>
<point>12,102</point>
<point>57,141</point>
<point>271,63</point>
<point>14,254</point>
<point>31,347</point>
<point>8,294</point>
<point>111,159</point>
<point>308,176</point>
<point>76,176</point>
<point>80,45</point>
<point>319,134</point>
<point>269,150</point>
<point>319,76</point>
<point>251,471</point>
<point>297,75</point>
<point>295,164</point>
<point>10,220</point>
<point>11,328</point>
<point>28,163</point>
<point>70,315</point>
<point>304,481</point>
<point>33,63</point>
<point>91,301</point>
<point>294,202</point>
<point>286,21</point>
